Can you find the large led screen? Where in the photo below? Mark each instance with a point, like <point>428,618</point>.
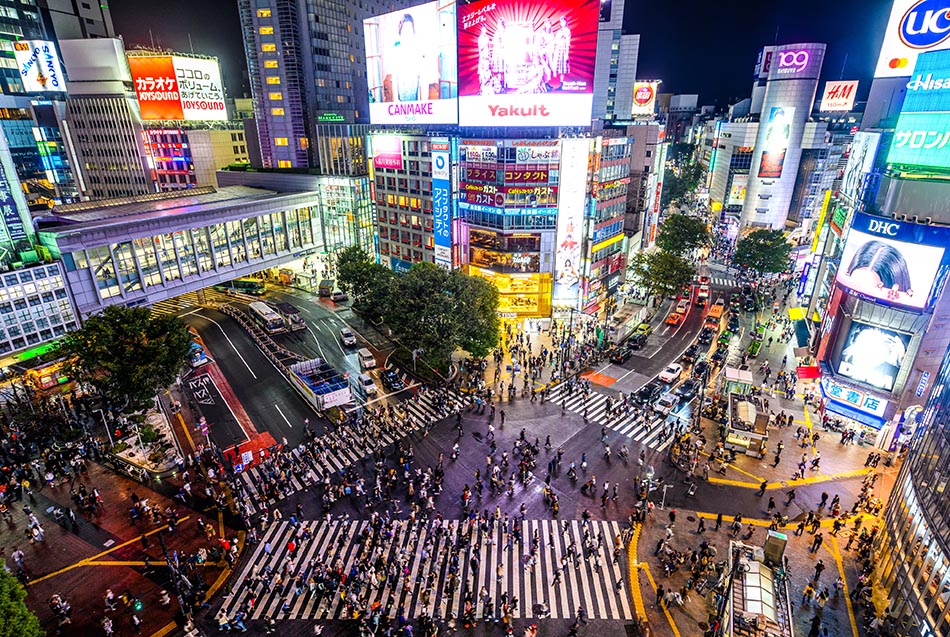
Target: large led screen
<point>527,62</point>
<point>860,162</point>
<point>411,65</point>
<point>893,262</point>
<point>872,355</point>
<point>778,132</point>
<point>915,26</point>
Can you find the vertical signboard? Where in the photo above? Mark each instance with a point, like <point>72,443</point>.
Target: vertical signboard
<point>570,220</point>
<point>16,228</point>
<point>39,66</point>
<point>860,163</point>
<point>778,132</point>
<point>441,194</point>
<point>644,99</point>
<point>387,151</point>
<point>740,182</point>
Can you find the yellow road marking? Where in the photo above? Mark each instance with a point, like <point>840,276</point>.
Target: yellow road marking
<point>633,565</point>
<point>784,484</point>
<point>184,428</point>
<point>85,561</point>
<point>220,523</point>
<point>836,554</point>
<point>666,610</point>
<point>164,630</point>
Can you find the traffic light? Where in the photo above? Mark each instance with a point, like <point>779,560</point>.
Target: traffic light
<point>118,433</point>
<point>137,605</point>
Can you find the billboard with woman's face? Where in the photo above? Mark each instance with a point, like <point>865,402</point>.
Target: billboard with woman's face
<point>894,262</point>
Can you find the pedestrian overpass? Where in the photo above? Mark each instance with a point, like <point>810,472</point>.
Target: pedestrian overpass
<point>140,250</point>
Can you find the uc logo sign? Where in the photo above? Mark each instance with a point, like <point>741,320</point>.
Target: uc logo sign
<point>926,24</point>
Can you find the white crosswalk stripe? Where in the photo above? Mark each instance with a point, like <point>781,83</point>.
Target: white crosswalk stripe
<point>311,466</point>
<point>630,425</point>
<point>303,585</point>
<point>723,282</point>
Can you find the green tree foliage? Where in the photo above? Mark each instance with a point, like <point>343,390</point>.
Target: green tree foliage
<point>477,311</point>
<point>127,354</point>
<point>354,270</point>
<point>681,234</point>
<point>763,251</point>
<point>16,620</point>
<point>661,272</point>
<point>679,182</point>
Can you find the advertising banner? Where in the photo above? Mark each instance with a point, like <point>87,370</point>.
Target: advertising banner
<point>872,355</point>
<point>605,10</point>
<point>922,134</point>
<point>411,65</point>
<point>838,96</point>
<point>40,68</point>
<point>178,88</point>
<point>929,89</point>
<point>777,134</point>
<point>644,99</point>
<point>857,399</point>
<point>526,62</point>
<point>915,26</point>
<point>737,191</point>
<point>387,151</point>
<point>860,163</point>
<point>441,195</point>
<point>894,263</point>
<point>570,220</point>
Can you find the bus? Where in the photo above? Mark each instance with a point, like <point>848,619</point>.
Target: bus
<point>267,317</point>
<point>197,355</point>
<point>246,286</point>
<point>714,318</point>
<point>291,316</point>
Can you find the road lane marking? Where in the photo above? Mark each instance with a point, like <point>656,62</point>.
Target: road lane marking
<point>283,416</point>
<point>231,343</point>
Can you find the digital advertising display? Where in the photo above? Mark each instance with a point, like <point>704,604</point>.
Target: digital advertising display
<point>838,96</point>
<point>737,192</point>
<point>860,163</point>
<point>922,136</point>
<point>928,90</point>
<point>570,220</point>
<point>39,65</point>
<point>872,355</point>
<point>605,9</point>
<point>441,195</point>
<point>411,65</point>
<point>915,26</point>
<point>387,151</point>
<point>176,88</point>
<point>778,132</point>
<point>526,62</point>
<point>644,99</point>
<point>892,262</point>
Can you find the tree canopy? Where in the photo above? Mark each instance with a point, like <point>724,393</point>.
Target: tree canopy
<point>763,251</point>
<point>353,266</point>
<point>16,620</point>
<point>681,234</point>
<point>661,272</point>
<point>127,354</point>
<point>679,182</point>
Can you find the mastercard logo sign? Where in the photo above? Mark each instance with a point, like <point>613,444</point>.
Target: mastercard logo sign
<point>898,63</point>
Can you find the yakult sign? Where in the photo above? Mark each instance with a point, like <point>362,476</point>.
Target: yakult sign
<point>915,26</point>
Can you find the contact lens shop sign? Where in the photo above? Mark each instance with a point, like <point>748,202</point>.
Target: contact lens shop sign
<point>893,262</point>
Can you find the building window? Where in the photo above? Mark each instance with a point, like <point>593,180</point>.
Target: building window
<point>275,96</point>
<point>270,64</point>
<point>283,163</point>
<point>268,48</point>
<point>266,30</point>
<point>273,79</point>
<point>276,111</point>
<point>263,13</point>
<point>304,143</point>
<point>280,141</point>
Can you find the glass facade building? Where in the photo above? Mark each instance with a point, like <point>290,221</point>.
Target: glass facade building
<point>34,307</point>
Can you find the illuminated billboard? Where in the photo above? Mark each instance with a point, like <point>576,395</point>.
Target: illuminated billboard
<point>839,95</point>
<point>441,196</point>
<point>527,62</point>
<point>644,98</point>
<point>39,66</point>
<point>872,355</point>
<point>778,132</point>
<point>387,151</point>
<point>893,262</point>
<point>915,26</point>
<point>411,65</point>
<point>570,220</point>
<point>737,191</point>
<point>860,163</point>
<point>922,136</point>
<point>176,88</point>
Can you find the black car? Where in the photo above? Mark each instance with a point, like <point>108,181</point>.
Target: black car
<point>749,304</point>
<point>688,390</point>
<point>733,323</point>
<point>700,369</point>
<point>636,341</point>
<point>391,380</point>
<point>719,354</point>
<point>690,354</point>
<point>619,355</point>
<point>650,392</point>
<point>706,336</point>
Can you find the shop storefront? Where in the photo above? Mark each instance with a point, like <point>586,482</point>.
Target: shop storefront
<point>858,410</point>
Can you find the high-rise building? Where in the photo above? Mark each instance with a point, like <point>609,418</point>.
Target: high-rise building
<point>306,65</point>
<point>104,121</point>
<point>616,69</point>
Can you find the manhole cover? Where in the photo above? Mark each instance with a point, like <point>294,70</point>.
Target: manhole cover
<point>690,518</point>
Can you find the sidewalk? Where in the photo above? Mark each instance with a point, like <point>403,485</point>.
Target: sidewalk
<point>107,550</point>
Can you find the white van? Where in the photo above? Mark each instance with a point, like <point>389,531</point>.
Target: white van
<point>367,360</point>
<point>366,384</point>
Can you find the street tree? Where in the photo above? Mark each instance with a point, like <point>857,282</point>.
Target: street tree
<point>16,620</point>
<point>680,182</point>
<point>355,272</point>
<point>681,234</point>
<point>127,354</point>
<point>477,312</point>
<point>661,272</point>
<point>421,313</point>
<point>763,251</point>
<point>378,292</point>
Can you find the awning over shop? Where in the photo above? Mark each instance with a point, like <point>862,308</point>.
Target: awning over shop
<point>796,313</point>
<point>802,335</point>
<point>835,407</point>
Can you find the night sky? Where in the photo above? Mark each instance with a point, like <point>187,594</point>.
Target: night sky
<point>692,45</point>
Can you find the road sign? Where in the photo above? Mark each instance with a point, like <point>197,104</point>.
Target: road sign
<point>238,468</point>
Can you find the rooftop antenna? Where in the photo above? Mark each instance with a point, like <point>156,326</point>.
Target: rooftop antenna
<point>191,44</point>
<point>843,65</point>
<point>151,37</point>
<point>776,33</point>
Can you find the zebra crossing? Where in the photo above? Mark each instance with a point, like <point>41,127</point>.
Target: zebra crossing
<point>312,465</point>
<point>631,425</point>
<point>723,282</point>
<point>176,304</point>
<point>421,567</point>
